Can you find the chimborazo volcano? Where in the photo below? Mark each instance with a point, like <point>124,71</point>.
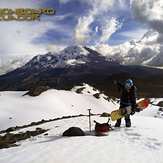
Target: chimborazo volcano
<point>76,65</point>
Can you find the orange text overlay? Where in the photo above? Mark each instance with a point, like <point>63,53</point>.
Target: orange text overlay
<point>24,14</point>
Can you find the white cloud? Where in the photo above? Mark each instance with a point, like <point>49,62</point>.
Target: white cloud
<point>18,37</point>
<point>83,31</point>
<point>102,5</point>
<point>55,48</point>
<point>109,27</point>
<point>150,12</point>
<point>105,49</point>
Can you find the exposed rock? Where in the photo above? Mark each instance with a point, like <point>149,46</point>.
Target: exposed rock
<point>160,104</point>
<point>79,90</point>
<point>74,131</point>
<point>105,114</point>
<point>9,139</point>
<point>37,90</point>
<point>97,95</point>
<point>10,129</point>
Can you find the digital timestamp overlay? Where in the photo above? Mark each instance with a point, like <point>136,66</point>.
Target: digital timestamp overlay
<point>24,14</point>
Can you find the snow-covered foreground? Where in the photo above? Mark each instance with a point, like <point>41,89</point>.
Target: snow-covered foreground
<point>16,109</point>
<point>143,142</point>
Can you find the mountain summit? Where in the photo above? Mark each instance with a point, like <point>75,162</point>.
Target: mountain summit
<point>70,56</point>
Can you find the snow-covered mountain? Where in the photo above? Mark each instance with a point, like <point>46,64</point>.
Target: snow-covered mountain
<point>145,51</point>
<point>73,55</point>
<point>142,52</point>
<point>69,56</point>
<point>76,65</point>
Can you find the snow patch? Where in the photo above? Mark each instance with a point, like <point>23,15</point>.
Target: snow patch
<point>19,110</point>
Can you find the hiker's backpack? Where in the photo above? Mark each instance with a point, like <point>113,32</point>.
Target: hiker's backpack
<point>102,129</point>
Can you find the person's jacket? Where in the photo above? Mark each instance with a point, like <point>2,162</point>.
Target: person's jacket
<point>128,97</point>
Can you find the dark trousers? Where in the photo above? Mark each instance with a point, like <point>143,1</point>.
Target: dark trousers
<point>127,118</point>
<point>127,121</point>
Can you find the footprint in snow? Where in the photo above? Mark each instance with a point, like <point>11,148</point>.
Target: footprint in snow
<point>152,145</point>
<point>153,142</point>
<point>133,136</point>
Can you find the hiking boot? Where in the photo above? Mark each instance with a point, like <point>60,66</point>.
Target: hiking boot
<point>128,124</point>
<point>118,123</point>
<point>128,121</point>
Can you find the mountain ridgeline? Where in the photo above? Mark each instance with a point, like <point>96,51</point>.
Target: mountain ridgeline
<point>76,65</point>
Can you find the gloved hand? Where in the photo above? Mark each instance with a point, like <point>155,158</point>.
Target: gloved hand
<point>132,112</point>
<point>137,110</point>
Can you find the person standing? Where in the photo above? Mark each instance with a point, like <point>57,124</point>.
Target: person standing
<point>128,99</point>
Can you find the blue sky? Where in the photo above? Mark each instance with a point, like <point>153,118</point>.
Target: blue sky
<point>84,22</point>
<point>73,10</point>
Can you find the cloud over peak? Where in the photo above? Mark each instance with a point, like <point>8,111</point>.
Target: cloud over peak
<point>107,24</point>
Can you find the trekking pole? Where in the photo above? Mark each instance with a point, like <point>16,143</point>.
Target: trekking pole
<point>89,119</point>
